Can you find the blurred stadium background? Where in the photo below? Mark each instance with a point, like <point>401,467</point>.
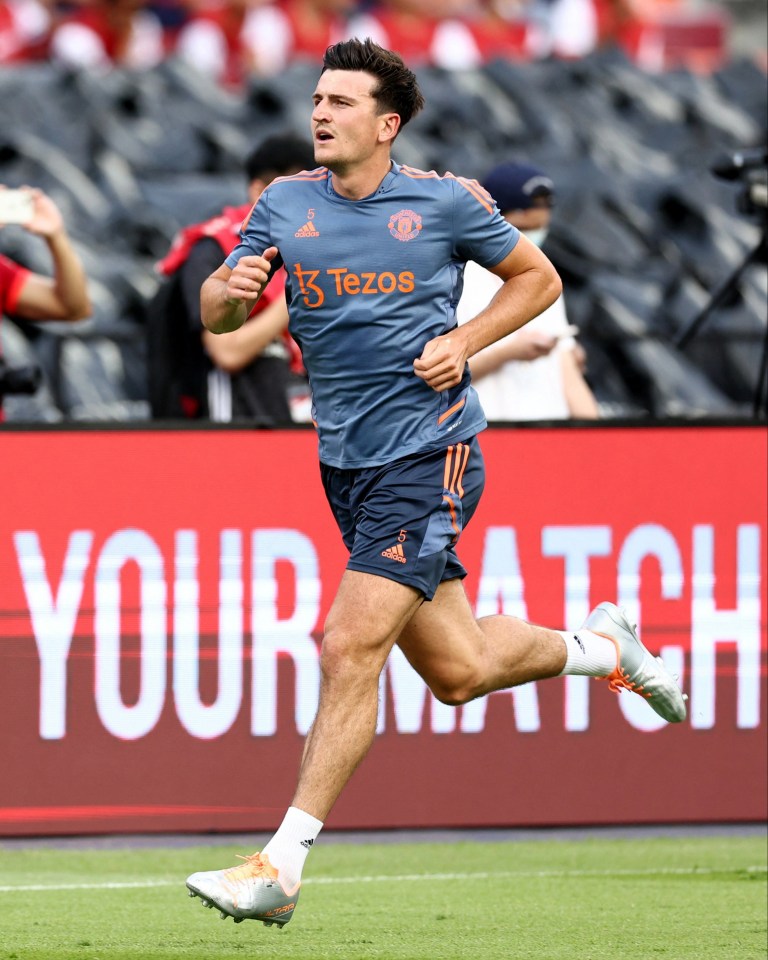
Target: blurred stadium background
<point>644,234</point>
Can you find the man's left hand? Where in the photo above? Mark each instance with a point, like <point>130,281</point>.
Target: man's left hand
<point>442,362</point>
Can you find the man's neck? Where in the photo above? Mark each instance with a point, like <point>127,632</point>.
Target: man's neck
<point>360,182</point>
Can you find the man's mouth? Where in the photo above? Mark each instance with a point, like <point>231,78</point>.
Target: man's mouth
<point>323,136</point>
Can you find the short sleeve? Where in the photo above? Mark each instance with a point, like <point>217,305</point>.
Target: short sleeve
<point>255,235</point>
<point>481,233</point>
<point>12,280</point>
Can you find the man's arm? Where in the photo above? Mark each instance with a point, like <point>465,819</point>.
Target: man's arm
<point>65,295</point>
<point>580,399</point>
<point>531,284</point>
<point>525,346</point>
<point>228,296</point>
<point>243,346</point>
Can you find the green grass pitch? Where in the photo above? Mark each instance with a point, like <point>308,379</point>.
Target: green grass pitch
<point>691,898</point>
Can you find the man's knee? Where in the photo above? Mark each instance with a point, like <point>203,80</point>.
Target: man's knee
<point>337,651</point>
<point>347,654</point>
<point>456,687</point>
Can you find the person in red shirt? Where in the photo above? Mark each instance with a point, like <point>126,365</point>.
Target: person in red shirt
<point>233,40</point>
<point>452,34</point>
<point>24,26</point>
<point>34,296</point>
<point>104,34</point>
<point>244,376</point>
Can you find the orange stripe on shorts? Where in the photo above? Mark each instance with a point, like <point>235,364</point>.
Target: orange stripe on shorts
<point>464,461</point>
<point>452,508</point>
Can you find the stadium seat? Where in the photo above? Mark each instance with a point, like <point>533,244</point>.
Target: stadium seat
<point>39,407</point>
<point>642,232</point>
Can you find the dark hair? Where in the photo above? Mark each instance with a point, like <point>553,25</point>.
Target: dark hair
<point>279,155</point>
<point>397,89</point>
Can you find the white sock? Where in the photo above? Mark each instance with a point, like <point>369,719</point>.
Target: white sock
<point>588,654</point>
<point>290,845</point>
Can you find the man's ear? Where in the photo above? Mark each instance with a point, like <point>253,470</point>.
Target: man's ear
<point>390,127</point>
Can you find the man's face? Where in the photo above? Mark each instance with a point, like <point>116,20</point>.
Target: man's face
<point>346,128</point>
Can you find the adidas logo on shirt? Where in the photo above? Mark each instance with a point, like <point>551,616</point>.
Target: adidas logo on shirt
<point>308,230</point>
<point>394,553</point>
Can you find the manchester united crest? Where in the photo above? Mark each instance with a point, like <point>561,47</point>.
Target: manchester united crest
<point>405,225</point>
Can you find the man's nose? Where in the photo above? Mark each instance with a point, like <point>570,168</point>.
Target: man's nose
<point>320,112</point>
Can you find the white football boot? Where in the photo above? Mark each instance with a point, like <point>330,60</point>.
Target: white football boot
<point>637,669</point>
<point>250,891</point>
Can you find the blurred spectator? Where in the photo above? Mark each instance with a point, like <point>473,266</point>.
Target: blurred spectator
<point>24,26</point>
<point>232,39</point>
<point>30,295</point>
<point>575,28</point>
<point>109,33</point>
<point>505,29</point>
<point>422,31</point>
<point>534,373</point>
<point>452,34</point>
<point>564,28</point>
<point>316,24</point>
<point>664,34</point>
<point>245,374</point>
<point>172,14</point>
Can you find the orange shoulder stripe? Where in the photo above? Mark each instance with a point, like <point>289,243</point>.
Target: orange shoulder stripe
<point>479,193</point>
<point>471,186</point>
<point>416,174</point>
<point>319,173</point>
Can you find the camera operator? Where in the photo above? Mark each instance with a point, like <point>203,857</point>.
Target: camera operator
<point>30,295</point>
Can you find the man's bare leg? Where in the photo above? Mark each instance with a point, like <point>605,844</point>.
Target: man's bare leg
<point>366,618</point>
<point>461,658</point>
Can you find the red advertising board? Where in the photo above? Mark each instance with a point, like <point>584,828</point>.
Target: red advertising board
<point>162,597</point>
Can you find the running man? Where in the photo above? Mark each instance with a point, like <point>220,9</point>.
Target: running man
<point>375,253</point>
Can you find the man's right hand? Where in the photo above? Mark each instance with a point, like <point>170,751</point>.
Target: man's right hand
<point>249,277</point>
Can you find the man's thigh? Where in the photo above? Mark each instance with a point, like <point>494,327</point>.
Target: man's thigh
<point>368,614</point>
<point>442,640</point>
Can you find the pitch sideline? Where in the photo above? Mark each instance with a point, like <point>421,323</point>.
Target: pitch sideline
<point>406,878</point>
